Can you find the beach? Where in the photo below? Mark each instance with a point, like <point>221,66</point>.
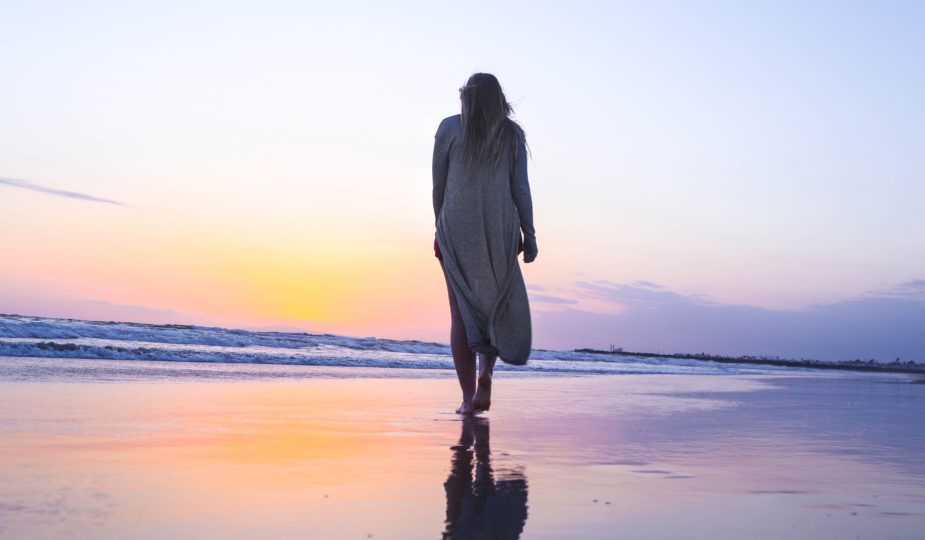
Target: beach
<point>131,449</point>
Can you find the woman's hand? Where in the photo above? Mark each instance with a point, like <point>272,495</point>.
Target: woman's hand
<point>530,249</point>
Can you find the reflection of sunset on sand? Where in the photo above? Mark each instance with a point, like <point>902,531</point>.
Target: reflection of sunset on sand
<point>242,451</point>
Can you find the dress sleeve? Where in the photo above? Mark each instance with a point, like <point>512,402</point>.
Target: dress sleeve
<point>441,165</point>
<point>520,191</point>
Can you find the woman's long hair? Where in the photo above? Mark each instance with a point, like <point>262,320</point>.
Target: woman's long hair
<point>488,131</point>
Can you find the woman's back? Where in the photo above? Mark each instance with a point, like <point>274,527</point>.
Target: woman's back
<point>476,192</point>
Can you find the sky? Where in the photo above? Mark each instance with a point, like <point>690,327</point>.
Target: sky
<point>723,177</point>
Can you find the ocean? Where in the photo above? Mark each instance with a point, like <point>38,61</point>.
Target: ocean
<point>40,337</point>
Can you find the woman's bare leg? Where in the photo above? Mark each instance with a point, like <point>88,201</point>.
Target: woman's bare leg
<point>463,357</point>
<point>482,399</point>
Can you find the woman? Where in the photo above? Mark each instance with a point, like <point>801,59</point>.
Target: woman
<point>481,204</point>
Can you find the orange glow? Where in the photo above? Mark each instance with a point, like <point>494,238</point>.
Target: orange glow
<point>241,277</point>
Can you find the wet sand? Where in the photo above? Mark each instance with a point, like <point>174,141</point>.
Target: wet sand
<point>108,449</point>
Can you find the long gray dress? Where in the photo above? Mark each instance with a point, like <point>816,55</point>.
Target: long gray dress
<point>479,213</point>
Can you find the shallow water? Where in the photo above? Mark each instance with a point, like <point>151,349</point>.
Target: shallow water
<point>101,449</point>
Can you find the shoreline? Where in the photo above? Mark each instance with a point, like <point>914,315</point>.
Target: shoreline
<point>897,366</point>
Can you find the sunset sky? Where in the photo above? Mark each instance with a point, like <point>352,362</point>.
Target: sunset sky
<point>728,177</point>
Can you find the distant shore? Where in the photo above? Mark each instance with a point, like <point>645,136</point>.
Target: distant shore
<point>896,366</point>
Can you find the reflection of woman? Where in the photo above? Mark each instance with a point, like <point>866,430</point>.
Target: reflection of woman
<point>483,507</point>
<point>482,203</point>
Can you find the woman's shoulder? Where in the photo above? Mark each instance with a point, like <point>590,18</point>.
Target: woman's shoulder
<point>519,130</point>
<point>450,123</point>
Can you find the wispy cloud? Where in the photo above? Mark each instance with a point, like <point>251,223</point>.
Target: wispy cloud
<point>25,184</point>
<point>910,290</point>
<point>640,294</point>
<point>550,299</point>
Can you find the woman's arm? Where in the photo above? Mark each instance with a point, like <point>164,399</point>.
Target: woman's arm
<point>441,164</point>
<point>520,190</point>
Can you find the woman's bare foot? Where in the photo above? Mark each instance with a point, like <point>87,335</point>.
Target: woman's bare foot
<point>482,399</point>
<point>465,408</point>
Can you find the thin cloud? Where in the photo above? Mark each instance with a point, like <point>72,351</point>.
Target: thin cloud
<point>550,299</point>
<point>910,290</point>
<point>641,294</point>
<point>25,184</point>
